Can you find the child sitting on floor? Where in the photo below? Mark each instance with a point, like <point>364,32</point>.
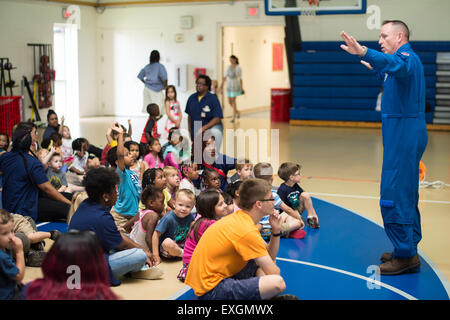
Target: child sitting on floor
<point>171,232</point>
<point>173,180</point>
<point>56,177</point>
<point>80,156</point>
<point>66,146</point>
<point>138,165</point>
<point>232,190</point>
<point>129,190</point>
<point>32,239</point>
<point>244,170</point>
<point>293,195</point>
<point>189,172</point>
<point>221,163</point>
<point>143,229</point>
<point>154,157</point>
<point>210,179</point>
<point>290,219</point>
<point>210,207</point>
<point>4,142</point>
<point>157,179</point>
<point>12,270</point>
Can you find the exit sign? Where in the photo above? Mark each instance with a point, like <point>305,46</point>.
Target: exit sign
<point>252,11</point>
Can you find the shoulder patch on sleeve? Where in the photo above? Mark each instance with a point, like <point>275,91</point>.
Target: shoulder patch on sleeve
<point>405,53</point>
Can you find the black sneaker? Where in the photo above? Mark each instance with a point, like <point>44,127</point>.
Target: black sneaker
<point>38,246</point>
<point>55,234</point>
<point>35,258</point>
<point>312,222</point>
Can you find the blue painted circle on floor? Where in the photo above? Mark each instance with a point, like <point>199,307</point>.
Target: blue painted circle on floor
<point>337,259</point>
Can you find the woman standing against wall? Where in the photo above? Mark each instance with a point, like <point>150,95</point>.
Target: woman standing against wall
<point>233,77</point>
<point>154,76</point>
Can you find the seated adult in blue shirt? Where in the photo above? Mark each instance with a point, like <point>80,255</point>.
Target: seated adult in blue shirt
<point>204,113</point>
<point>218,162</point>
<point>154,76</point>
<point>53,125</point>
<point>24,176</point>
<point>123,254</point>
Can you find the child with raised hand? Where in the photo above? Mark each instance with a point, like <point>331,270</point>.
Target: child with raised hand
<point>154,157</point>
<point>138,165</point>
<point>173,111</point>
<point>171,232</point>
<point>66,145</point>
<point>12,270</point>
<point>293,195</point>
<point>129,190</point>
<point>111,138</point>
<point>173,180</point>
<point>210,206</point>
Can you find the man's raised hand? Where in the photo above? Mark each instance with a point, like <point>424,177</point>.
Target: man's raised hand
<point>351,45</point>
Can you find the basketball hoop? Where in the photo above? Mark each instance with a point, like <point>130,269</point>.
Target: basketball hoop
<point>311,10</point>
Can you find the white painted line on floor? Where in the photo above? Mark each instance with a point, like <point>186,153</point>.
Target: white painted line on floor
<point>366,197</point>
<point>351,274</point>
<point>179,293</point>
<point>42,224</point>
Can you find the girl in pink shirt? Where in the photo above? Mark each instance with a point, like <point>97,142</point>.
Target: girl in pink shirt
<point>211,207</point>
<point>154,157</point>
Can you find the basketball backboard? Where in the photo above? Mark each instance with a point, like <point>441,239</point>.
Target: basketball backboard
<point>299,7</point>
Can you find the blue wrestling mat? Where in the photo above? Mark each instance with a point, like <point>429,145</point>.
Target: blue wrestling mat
<point>48,226</point>
<point>338,262</point>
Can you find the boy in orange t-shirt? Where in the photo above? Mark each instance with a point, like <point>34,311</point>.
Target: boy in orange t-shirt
<point>231,260</point>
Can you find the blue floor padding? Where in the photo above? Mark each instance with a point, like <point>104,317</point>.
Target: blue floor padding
<point>348,244</point>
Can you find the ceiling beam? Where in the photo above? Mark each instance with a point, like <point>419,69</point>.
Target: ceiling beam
<point>130,3</point>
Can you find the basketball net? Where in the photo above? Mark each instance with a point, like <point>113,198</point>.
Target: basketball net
<point>311,10</point>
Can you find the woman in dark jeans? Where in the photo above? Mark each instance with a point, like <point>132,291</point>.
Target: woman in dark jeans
<point>24,178</point>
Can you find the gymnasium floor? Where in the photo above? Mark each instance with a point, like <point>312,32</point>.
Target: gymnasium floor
<point>341,169</point>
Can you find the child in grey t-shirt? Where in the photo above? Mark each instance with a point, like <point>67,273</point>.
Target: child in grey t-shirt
<point>56,177</point>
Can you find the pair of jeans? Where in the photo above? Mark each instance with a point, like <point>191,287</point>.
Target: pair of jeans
<point>125,261</point>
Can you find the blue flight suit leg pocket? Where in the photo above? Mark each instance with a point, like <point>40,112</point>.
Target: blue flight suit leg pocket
<point>388,203</point>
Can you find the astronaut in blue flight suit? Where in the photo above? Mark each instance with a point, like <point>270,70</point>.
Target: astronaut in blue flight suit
<point>404,140</point>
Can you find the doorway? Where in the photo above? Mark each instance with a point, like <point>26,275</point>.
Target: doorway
<point>262,58</point>
<point>65,46</point>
